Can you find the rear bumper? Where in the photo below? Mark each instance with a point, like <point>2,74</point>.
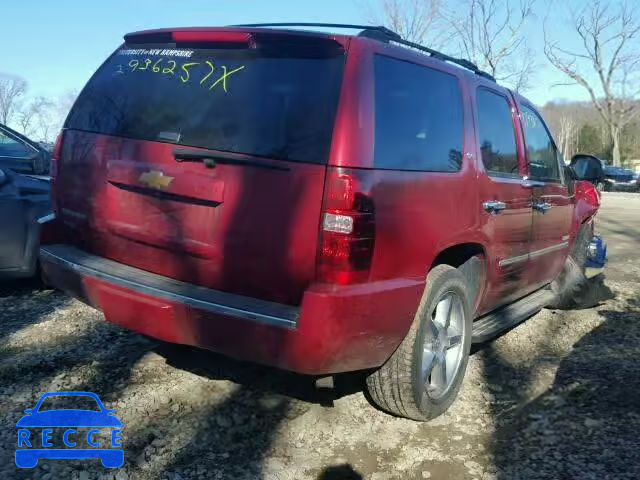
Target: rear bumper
<point>336,329</point>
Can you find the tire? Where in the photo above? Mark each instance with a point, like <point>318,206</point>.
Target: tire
<point>398,386</point>
<point>571,288</point>
<point>600,186</point>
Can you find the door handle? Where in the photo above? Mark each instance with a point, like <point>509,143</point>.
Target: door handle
<point>526,183</point>
<point>542,207</point>
<point>494,206</point>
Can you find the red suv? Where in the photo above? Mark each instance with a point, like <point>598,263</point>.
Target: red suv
<point>320,203</point>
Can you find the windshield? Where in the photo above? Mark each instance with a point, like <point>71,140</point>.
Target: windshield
<point>281,105</point>
<point>69,402</point>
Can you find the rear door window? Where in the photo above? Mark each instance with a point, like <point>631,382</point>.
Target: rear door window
<point>418,117</point>
<point>542,155</point>
<point>497,134</point>
<point>277,104</point>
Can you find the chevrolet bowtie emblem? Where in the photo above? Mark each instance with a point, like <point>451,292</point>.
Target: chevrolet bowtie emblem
<point>155,179</point>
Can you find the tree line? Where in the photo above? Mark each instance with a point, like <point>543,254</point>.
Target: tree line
<point>578,128</point>
<point>597,48</point>
<point>36,117</point>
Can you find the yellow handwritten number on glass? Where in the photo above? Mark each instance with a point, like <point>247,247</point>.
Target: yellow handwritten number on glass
<point>156,68</point>
<point>147,62</point>
<point>133,64</point>
<point>171,69</point>
<point>185,69</point>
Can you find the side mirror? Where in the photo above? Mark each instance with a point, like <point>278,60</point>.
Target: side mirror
<point>587,167</point>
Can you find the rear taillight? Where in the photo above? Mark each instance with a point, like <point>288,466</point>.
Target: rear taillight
<point>348,228</point>
<point>55,156</point>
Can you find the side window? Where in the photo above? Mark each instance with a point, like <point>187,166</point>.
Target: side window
<point>12,148</point>
<point>497,134</point>
<point>543,157</point>
<point>419,119</point>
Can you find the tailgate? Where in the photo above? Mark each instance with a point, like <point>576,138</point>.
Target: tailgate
<point>205,164</point>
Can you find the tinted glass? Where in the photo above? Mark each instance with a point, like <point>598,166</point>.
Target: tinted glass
<point>587,168</point>
<point>279,105</point>
<point>541,152</point>
<point>497,134</point>
<point>419,121</point>
<point>69,402</point>
<point>12,148</point>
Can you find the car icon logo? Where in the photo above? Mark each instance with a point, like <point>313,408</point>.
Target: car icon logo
<point>37,438</point>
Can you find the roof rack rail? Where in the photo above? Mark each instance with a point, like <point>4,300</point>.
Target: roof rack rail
<point>383,34</point>
<point>469,65</point>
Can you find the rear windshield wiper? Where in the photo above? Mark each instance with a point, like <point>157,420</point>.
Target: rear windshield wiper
<point>210,159</point>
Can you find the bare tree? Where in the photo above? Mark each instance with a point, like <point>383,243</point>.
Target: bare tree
<point>418,21</point>
<point>45,118</point>
<point>12,89</point>
<point>490,34</point>
<point>606,65</point>
<point>25,120</point>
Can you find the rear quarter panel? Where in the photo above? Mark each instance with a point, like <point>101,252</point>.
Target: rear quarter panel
<point>418,214</point>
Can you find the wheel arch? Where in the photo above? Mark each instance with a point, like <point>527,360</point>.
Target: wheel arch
<point>471,258</point>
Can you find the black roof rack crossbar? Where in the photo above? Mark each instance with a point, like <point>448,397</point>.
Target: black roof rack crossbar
<point>381,33</point>
<point>469,65</point>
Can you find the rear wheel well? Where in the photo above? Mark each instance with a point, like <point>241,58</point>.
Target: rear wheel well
<point>470,259</point>
<point>457,255</point>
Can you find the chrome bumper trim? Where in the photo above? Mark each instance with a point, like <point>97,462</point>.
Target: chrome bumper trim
<point>278,315</point>
<point>46,219</point>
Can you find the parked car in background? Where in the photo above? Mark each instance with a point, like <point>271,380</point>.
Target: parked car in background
<point>316,202</point>
<point>619,179</point>
<point>23,200</point>
<point>22,154</point>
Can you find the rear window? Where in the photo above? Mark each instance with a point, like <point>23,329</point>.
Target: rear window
<point>419,119</point>
<point>275,105</point>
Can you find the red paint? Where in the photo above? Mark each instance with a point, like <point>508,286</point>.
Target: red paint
<point>264,238</point>
<point>211,36</point>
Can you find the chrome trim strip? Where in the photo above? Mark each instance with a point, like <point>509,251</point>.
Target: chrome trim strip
<point>522,258</point>
<point>552,248</point>
<point>74,214</point>
<point>47,218</point>
<point>175,297</point>
<point>510,261</point>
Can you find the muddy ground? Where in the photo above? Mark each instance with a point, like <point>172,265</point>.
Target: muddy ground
<point>558,397</point>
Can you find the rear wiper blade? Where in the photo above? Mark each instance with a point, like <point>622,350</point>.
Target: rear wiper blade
<point>211,158</point>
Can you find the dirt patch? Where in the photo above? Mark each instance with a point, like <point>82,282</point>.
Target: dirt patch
<point>556,397</point>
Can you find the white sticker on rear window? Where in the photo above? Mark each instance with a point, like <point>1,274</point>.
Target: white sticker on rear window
<point>165,52</point>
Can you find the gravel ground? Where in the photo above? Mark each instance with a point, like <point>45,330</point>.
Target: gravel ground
<point>556,397</point>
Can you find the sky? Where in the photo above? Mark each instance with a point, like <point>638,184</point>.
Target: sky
<point>56,46</point>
